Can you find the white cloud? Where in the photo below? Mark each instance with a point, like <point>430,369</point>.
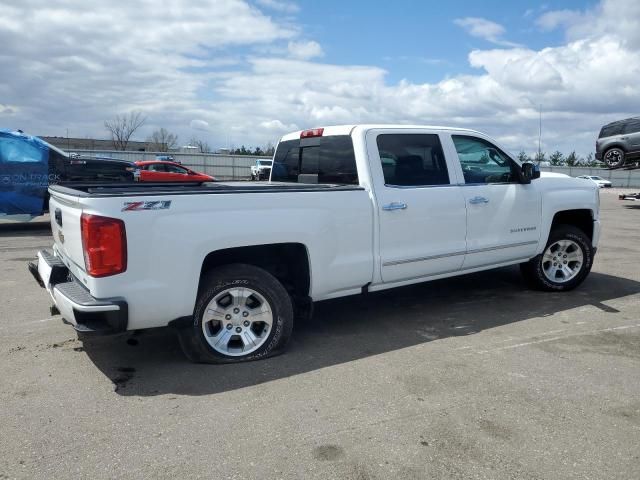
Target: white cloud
<point>484,29</point>
<point>201,125</point>
<point>7,109</point>
<point>613,18</point>
<point>278,127</point>
<point>305,50</point>
<point>557,18</point>
<point>107,60</point>
<point>279,5</point>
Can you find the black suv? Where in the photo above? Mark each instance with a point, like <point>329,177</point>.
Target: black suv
<point>619,143</point>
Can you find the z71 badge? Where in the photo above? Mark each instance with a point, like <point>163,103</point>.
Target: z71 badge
<point>157,205</point>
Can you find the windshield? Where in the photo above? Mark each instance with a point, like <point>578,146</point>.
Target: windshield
<point>264,163</point>
<point>597,178</point>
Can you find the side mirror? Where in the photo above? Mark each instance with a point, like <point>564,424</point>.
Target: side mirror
<point>530,171</point>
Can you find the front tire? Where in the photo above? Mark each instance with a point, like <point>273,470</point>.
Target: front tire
<point>565,262</point>
<point>614,157</point>
<point>242,313</point>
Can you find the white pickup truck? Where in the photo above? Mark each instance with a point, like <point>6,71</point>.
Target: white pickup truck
<point>261,170</point>
<point>347,210</point>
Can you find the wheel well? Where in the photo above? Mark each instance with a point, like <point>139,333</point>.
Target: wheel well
<point>288,262</point>
<point>582,219</point>
<point>615,145</point>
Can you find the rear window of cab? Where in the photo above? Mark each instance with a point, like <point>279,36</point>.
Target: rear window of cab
<point>329,159</point>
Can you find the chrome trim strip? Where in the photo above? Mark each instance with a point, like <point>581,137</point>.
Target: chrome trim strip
<point>454,254</point>
<point>405,187</point>
<point>500,247</point>
<point>422,259</point>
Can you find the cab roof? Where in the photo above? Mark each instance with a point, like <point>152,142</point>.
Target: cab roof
<point>348,129</point>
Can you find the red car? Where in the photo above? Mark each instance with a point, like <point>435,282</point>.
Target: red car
<point>162,171</point>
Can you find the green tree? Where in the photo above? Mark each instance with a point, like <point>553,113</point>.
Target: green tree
<point>556,158</point>
<point>572,159</point>
<point>523,157</point>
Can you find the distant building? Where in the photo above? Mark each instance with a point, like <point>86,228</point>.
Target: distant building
<point>189,149</point>
<point>72,144</point>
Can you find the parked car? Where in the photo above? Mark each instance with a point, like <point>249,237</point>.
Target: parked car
<point>28,165</point>
<point>261,170</point>
<point>155,171</point>
<point>350,210</point>
<point>619,143</point>
<point>601,182</point>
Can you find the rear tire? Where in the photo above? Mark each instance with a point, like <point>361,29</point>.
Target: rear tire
<point>242,313</point>
<point>565,262</point>
<point>614,157</point>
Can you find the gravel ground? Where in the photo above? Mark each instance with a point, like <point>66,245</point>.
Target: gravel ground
<point>470,377</point>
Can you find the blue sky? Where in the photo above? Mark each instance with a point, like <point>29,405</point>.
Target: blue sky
<point>418,40</point>
<point>234,72</point>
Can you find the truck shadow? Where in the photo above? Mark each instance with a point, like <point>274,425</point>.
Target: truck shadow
<point>39,228</point>
<point>151,363</point>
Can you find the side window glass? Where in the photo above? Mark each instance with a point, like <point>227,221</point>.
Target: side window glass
<point>483,162</point>
<point>286,162</point>
<point>632,127</point>
<point>410,159</point>
<point>174,169</point>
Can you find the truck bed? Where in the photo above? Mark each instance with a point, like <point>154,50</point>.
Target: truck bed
<point>143,189</point>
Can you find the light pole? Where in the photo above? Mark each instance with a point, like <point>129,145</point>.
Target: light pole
<point>540,134</point>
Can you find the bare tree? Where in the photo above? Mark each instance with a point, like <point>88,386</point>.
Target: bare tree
<point>162,141</point>
<point>200,144</point>
<point>122,127</point>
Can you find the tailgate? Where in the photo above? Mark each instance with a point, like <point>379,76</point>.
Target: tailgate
<point>65,211</point>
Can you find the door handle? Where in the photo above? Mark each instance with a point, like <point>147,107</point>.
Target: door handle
<point>394,206</point>
<point>478,200</point>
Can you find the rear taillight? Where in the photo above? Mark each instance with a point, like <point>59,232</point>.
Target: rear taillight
<point>104,241</point>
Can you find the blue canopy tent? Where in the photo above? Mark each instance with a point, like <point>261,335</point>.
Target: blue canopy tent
<point>26,169</point>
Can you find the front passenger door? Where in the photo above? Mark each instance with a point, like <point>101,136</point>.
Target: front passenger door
<point>632,132</point>
<point>503,215</point>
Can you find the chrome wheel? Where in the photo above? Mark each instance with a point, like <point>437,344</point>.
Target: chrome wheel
<point>562,261</point>
<point>237,321</point>
<point>614,157</point>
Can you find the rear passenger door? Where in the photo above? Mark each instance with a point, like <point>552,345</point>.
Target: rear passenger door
<point>421,210</point>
